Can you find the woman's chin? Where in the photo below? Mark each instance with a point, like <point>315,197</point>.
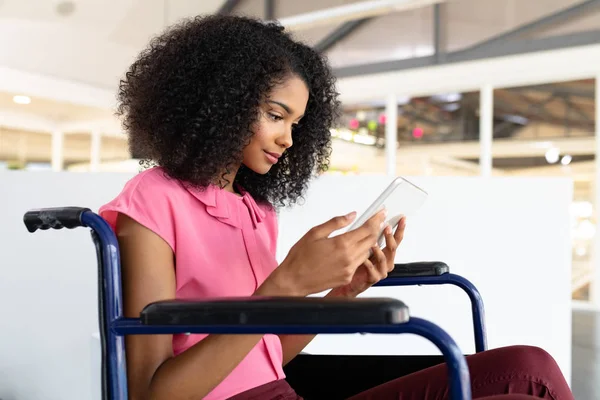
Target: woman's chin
<point>262,169</point>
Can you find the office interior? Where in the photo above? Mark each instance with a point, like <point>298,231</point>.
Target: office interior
<point>492,89</point>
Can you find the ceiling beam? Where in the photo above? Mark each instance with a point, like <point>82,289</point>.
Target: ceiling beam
<point>572,107</point>
<point>269,9</point>
<point>538,108</point>
<point>549,21</point>
<point>440,32</point>
<point>557,90</point>
<point>351,12</point>
<point>340,34</point>
<point>510,48</point>
<point>228,7</point>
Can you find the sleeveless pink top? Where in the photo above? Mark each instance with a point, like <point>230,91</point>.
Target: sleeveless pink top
<point>224,245</point>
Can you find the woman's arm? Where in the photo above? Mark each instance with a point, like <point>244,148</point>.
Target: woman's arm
<point>148,273</point>
<point>292,345</point>
<point>370,272</point>
<point>152,371</point>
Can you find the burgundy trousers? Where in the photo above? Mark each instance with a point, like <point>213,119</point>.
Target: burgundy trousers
<point>509,373</point>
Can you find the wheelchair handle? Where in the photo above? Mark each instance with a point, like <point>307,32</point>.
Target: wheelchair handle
<point>54,218</point>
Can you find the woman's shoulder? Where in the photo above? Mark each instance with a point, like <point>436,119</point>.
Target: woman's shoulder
<point>149,197</point>
<point>148,186</point>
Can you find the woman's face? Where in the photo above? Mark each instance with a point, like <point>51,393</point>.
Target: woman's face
<point>283,109</point>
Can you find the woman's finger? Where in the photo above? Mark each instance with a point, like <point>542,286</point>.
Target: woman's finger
<point>366,231</point>
<point>399,235</point>
<point>390,247</point>
<point>372,272</point>
<point>390,240</point>
<point>380,262</point>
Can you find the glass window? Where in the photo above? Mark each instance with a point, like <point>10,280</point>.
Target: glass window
<point>548,130</point>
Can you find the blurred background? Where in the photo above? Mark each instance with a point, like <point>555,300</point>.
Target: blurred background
<point>61,62</point>
<point>499,88</point>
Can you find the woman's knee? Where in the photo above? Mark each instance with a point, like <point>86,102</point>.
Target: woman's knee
<point>530,358</point>
<point>531,368</point>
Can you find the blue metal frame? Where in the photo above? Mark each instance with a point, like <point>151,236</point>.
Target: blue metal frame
<point>116,367</point>
<point>477,308</point>
<point>116,326</point>
<point>458,371</point>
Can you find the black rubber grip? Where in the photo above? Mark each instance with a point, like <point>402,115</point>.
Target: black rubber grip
<point>54,218</point>
<point>428,268</point>
<point>296,311</point>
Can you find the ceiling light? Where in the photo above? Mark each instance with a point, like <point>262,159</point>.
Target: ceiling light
<point>566,160</point>
<point>22,99</point>
<point>552,155</point>
<point>586,230</point>
<point>580,251</point>
<point>517,119</point>
<point>447,97</point>
<point>450,107</point>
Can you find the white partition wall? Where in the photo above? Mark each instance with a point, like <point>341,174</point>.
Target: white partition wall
<point>508,236</point>
<point>48,288</point>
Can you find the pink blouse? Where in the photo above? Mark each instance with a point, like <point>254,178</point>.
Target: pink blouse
<point>224,245</point>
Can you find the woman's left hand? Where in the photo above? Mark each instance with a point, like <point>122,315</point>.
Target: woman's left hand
<point>377,266</point>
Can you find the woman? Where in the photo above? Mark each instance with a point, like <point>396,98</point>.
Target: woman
<point>232,116</point>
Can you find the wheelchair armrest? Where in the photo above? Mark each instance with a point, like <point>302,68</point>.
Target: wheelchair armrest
<point>276,311</point>
<point>430,268</point>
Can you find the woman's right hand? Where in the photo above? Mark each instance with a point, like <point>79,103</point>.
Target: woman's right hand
<point>318,262</point>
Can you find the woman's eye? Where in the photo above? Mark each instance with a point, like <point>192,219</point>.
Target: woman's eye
<point>275,117</point>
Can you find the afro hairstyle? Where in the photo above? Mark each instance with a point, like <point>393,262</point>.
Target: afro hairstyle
<point>190,100</point>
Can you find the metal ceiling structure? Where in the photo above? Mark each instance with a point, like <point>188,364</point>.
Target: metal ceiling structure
<point>511,42</point>
<point>517,40</point>
<point>527,27</point>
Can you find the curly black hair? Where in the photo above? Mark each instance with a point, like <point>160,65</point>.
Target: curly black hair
<point>190,100</point>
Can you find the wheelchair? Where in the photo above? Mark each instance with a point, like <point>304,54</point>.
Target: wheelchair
<point>309,375</point>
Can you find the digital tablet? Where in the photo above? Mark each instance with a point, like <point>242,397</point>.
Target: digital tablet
<point>400,198</point>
